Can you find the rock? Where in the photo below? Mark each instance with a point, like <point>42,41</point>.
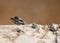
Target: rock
<point>25,34</point>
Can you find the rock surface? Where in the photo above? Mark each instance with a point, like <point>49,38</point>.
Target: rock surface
<point>27,34</point>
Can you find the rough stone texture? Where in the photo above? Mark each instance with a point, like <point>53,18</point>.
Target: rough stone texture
<point>26,34</point>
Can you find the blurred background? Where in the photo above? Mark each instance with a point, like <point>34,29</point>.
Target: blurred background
<point>37,11</point>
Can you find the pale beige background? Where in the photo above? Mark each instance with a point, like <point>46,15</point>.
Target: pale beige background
<point>38,11</point>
